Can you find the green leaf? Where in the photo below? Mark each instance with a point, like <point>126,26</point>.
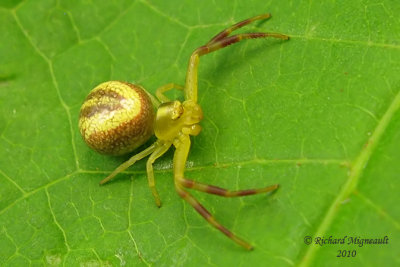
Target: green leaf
<point>318,114</point>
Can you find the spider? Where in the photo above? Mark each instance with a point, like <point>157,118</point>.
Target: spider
<point>173,124</point>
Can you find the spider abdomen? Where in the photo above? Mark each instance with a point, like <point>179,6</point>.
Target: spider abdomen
<point>116,118</point>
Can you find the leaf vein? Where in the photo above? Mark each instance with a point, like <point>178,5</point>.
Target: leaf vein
<point>55,220</point>
<point>50,65</point>
<point>379,209</point>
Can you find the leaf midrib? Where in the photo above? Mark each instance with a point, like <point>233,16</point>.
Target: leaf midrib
<point>356,171</point>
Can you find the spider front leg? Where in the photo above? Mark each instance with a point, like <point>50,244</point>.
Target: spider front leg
<point>182,144</point>
<point>219,41</point>
<point>236,26</point>
<point>215,190</point>
<point>207,215</point>
<point>161,90</point>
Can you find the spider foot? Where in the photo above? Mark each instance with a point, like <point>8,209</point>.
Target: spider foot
<point>156,197</point>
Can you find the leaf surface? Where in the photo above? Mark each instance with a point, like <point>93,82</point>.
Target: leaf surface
<point>318,114</point>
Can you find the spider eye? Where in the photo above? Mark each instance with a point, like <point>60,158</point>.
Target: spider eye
<point>177,110</point>
<point>168,123</point>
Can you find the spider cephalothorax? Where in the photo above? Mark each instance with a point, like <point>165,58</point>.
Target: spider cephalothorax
<point>174,117</point>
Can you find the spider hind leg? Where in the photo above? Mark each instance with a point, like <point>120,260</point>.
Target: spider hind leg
<point>158,152</point>
<point>130,162</point>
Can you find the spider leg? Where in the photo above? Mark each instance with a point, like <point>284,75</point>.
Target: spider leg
<point>160,91</point>
<point>191,75</point>
<point>205,49</point>
<point>236,26</point>
<point>182,144</point>
<point>207,215</point>
<point>130,162</point>
<point>211,189</point>
<point>158,152</point>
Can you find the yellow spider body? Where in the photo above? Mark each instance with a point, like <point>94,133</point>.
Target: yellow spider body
<point>117,117</point>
